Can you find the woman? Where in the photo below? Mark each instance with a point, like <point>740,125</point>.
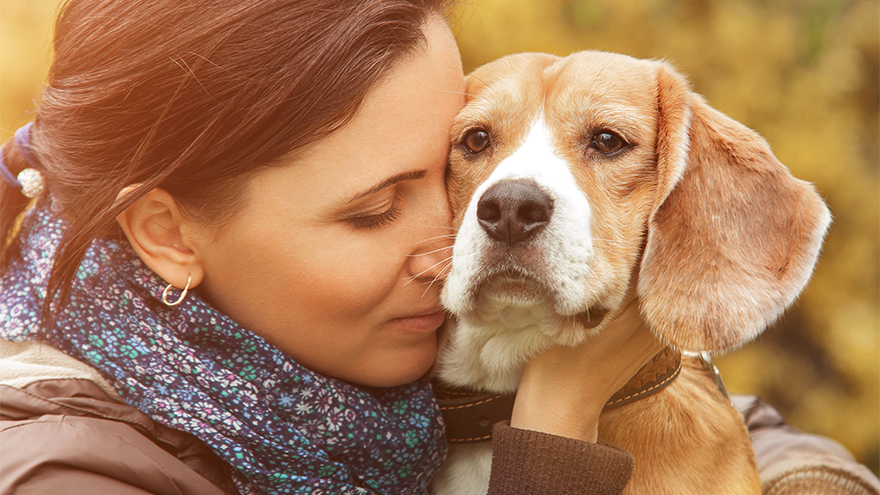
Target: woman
<point>242,220</point>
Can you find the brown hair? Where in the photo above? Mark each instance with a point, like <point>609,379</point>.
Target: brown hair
<point>194,97</point>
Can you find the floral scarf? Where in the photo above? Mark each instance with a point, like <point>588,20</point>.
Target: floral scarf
<point>285,428</point>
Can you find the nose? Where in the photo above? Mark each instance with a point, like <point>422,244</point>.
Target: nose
<point>430,262</point>
<point>431,252</point>
<point>513,211</point>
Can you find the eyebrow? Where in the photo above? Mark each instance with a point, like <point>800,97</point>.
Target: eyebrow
<point>416,174</point>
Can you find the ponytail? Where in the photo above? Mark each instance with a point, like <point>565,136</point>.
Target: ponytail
<point>21,182</point>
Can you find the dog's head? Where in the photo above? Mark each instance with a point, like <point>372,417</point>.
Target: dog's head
<point>573,178</point>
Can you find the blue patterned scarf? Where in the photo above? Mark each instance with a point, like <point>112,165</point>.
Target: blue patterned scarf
<point>285,428</point>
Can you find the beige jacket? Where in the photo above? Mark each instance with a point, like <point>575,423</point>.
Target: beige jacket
<point>796,463</point>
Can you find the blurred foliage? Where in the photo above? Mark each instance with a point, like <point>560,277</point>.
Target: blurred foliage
<point>25,54</point>
<point>804,73</point>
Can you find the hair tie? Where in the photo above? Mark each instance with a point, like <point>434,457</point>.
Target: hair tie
<point>29,180</point>
<point>23,140</point>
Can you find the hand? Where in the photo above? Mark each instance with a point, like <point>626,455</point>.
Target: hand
<point>563,390</point>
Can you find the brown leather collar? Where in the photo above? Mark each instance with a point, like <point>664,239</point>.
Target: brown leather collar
<point>470,416</point>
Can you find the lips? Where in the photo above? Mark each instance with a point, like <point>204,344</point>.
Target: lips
<point>425,321</point>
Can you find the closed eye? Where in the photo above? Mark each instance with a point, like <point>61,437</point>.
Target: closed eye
<point>378,220</point>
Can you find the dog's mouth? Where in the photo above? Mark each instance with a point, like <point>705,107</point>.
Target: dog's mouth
<point>592,317</point>
<point>516,285</point>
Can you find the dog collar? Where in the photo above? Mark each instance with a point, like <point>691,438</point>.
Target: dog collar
<point>470,416</point>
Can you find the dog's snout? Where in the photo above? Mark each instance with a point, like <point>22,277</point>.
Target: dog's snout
<point>513,211</point>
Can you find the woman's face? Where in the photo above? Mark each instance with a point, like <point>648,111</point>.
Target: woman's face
<point>333,257</point>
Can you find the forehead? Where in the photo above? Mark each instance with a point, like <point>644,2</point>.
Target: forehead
<point>601,78</point>
<point>586,88</point>
<point>596,89</point>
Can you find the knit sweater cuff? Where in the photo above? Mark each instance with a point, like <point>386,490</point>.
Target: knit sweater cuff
<point>530,462</point>
<point>819,479</point>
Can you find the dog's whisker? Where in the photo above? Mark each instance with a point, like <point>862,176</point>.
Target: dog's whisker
<point>443,236</point>
<point>435,239</point>
<point>599,74</point>
<point>438,277</point>
<point>501,317</point>
<point>478,79</point>
<point>426,270</point>
<point>457,93</point>
<point>429,252</point>
<point>607,90</point>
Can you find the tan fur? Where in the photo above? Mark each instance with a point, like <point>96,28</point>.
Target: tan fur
<point>686,439</point>
<point>719,235</point>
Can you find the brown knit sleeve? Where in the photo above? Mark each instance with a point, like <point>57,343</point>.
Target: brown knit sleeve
<point>530,462</point>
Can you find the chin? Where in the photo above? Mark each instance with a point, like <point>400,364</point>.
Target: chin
<point>400,368</point>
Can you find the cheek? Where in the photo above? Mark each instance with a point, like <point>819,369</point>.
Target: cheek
<point>303,299</point>
<point>247,278</point>
<point>456,190</point>
<point>458,201</point>
<point>345,277</point>
<point>369,274</point>
<point>621,198</point>
<point>463,181</point>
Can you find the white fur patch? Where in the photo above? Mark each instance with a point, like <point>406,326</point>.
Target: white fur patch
<point>495,337</point>
<point>564,246</point>
<point>471,477</point>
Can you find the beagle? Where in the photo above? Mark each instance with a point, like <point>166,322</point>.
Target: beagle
<point>572,178</point>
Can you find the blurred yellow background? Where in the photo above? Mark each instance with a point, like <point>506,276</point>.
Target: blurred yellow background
<point>803,73</point>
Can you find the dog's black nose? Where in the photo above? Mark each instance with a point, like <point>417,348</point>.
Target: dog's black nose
<point>514,210</point>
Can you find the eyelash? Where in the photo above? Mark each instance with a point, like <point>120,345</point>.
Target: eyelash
<point>371,222</point>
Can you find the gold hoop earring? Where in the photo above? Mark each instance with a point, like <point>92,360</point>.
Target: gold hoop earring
<point>182,294</point>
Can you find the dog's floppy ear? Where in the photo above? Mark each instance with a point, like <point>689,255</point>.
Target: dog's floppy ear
<point>732,238</point>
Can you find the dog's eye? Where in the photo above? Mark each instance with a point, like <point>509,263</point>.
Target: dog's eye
<point>476,140</point>
<point>607,142</point>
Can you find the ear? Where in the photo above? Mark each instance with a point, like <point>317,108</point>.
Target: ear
<point>158,233</point>
<point>733,236</point>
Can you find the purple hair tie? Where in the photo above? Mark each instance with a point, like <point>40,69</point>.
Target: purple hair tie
<point>23,140</point>
<point>6,174</point>
<point>29,180</point>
